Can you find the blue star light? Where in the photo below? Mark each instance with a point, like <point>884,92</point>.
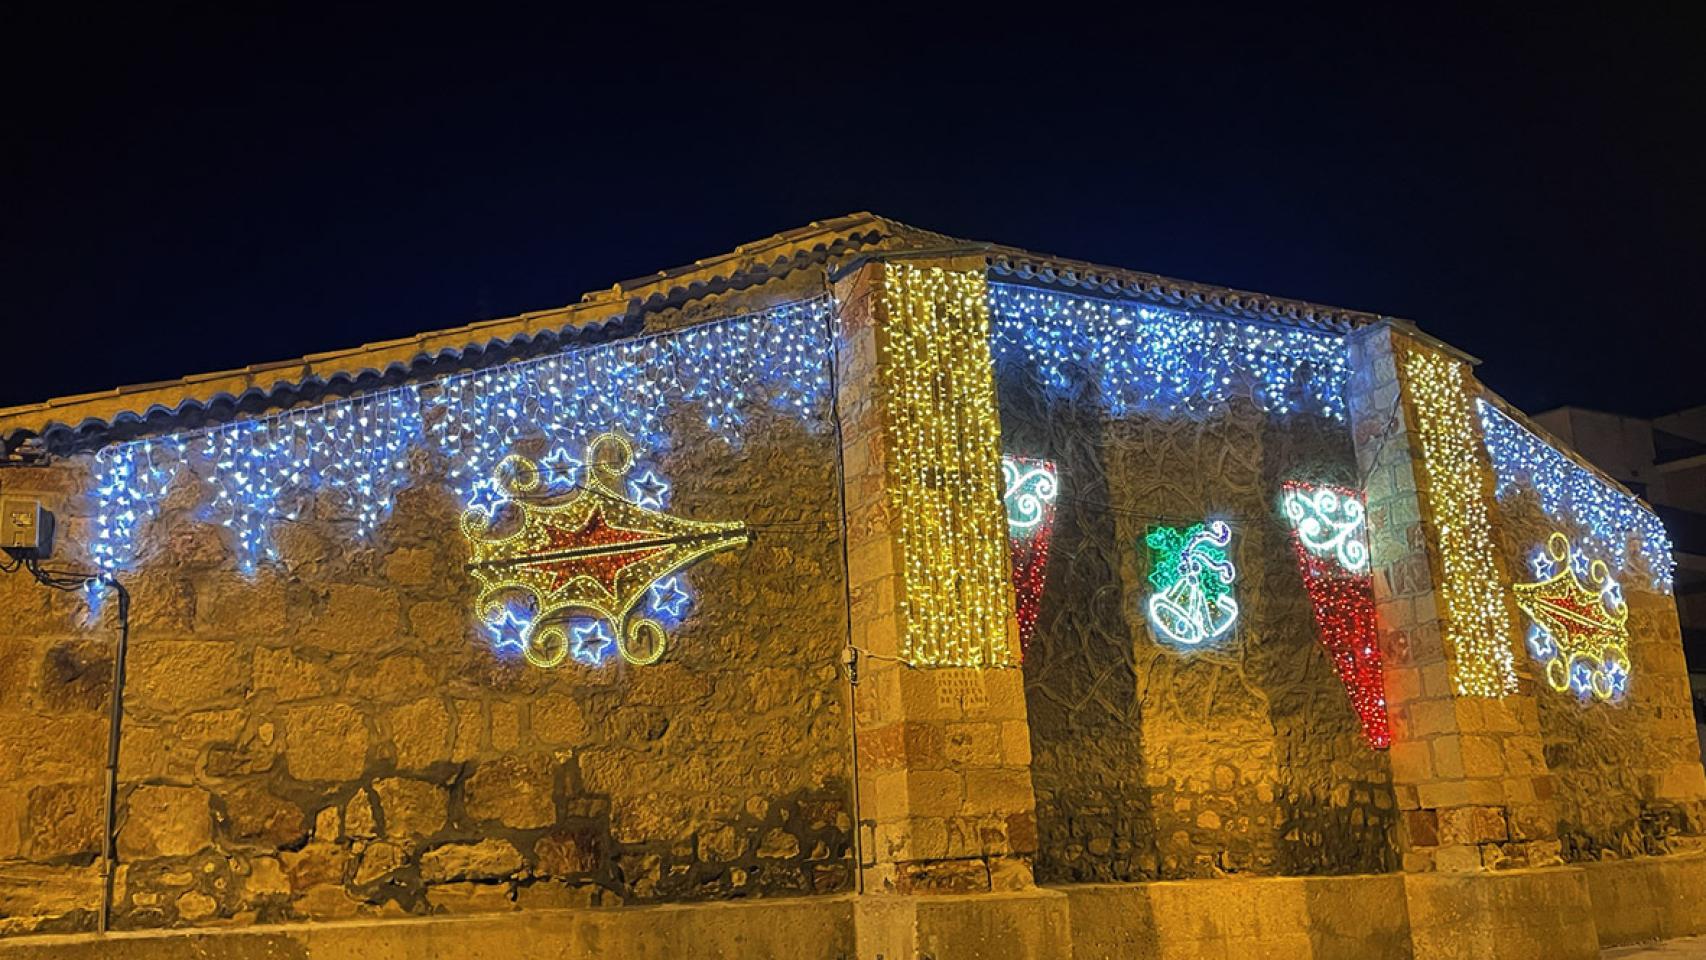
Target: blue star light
<point>590,641</point>
<point>509,630</point>
<point>486,497</point>
<point>560,469</point>
<point>669,599</point>
<point>648,490</point>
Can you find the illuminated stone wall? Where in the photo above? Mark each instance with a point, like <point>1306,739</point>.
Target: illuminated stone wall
<point>335,736</point>
<point>1153,760</point>
<point>1626,773</point>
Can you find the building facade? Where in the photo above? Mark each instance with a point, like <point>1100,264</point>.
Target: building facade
<point>862,593</point>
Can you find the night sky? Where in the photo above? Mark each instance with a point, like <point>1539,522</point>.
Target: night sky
<point>201,187</point>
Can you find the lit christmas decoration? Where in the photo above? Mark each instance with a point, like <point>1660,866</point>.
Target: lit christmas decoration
<point>944,465</point>
<point>1328,527</point>
<point>1477,622</point>
<point>1579,631</point>
<point>1030,488</point>
<point>256,473</point>
<point>1572,494</point>
<point>1142,358</point>
<point>1328,522</point>
<point>562,556</point>
<point>1192,576</point>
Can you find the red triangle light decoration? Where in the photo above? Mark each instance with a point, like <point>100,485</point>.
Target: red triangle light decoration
<point>1327,529</point>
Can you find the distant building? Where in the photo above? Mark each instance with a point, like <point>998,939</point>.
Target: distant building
<point>1663,460</point>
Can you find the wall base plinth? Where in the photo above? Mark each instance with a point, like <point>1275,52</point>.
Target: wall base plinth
<point>1556,913</point>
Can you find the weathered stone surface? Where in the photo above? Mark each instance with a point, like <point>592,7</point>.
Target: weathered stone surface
<point>65,820</point>
<point>490,859</point>
<point>568,852</point>
<point>291,677</point>
<point>378,860</point>
<point>163,821</point>
<point>325,742</point>
<point>171,676</point>
<point>316,864</point>
<point>256,816</point>
<point>359,822</point>
<point>420,732</point>
<point>470,898</point>
<point>76,675</point>
<point>779,843</point>
<point>266,879</point>
<point>513,791</point>
<point>558,719</point>
<point>393,679</point>
<point>356,618</point>
<point>196,906</point>
<point>410,808</point>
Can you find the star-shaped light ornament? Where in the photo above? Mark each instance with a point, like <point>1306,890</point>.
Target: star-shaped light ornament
<point>485,498</point>
<point>647,490</point>
<point>509,630</point>
<point>587,553</point>
<point>561,471</point>
<point>1580,632</point>
<point>669,599</point>
<point>590,642</point>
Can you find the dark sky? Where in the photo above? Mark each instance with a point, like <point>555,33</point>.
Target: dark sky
<point>193,187</point>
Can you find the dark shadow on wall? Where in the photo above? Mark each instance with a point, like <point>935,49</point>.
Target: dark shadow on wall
<point>1094,821</point>
<point>1336,813</point>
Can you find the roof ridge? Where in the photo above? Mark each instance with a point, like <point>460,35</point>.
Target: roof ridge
<point>603,313</point>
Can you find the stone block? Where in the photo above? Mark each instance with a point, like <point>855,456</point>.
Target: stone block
<point>253,815</point>
<point>420,733</point>
<point>410,808</point>
<point>65,820</point>
<point>326,742</point>
<point>165,821</point>
<point>579,851</point>
<point>514,791</point>
<point>489,859</point>
<point>394,679</point>
<point>172,676</point>
<point>557,719</point>
<point>290,677</point>
<point>471,898</point>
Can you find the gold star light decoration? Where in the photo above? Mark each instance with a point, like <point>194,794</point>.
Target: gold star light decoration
<point>575,559</point>
<point>1579,631</point>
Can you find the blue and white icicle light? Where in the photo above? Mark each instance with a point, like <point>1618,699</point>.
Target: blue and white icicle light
<point>1616,524</point>
<point>1147,359</point>
<point>257,473</point>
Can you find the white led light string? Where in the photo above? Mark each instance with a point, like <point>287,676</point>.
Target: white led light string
<point>258,472</point>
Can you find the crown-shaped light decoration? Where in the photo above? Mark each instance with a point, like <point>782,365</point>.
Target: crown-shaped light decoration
<point>1580,629</point>
<point>575,558</point>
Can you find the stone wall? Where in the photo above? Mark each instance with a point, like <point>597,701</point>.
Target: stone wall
<point>334,736</point>
<point>1156,761</point>
<point>1626,775</point>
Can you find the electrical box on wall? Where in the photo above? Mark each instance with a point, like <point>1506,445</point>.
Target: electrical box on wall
<point>26,529</point>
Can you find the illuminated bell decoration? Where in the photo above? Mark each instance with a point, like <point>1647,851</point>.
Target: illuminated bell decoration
<point>1030,488</point>
<point>564,569</point>
<point>1579,632</point>
<point>1328,526</point>
<point>1192,577</point>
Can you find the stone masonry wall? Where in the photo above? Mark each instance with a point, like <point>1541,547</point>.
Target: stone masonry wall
<point>1152,761</point>
<point>332,737</point>
<point>1626,774</point>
